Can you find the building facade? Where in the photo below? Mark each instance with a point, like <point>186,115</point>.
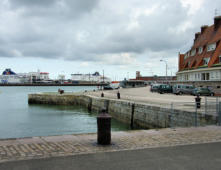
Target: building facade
<point>201,65</point>
<point>155,79</point>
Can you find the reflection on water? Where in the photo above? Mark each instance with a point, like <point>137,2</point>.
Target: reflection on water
<point>18,119</point>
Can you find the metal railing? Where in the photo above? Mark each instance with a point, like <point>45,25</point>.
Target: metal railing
<point>209,111</point>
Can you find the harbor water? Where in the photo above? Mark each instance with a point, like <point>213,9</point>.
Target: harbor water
<point>18,119</point>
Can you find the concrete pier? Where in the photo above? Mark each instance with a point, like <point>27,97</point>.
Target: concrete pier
<point>133,112</point>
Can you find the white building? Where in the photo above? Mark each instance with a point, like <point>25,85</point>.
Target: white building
<point>61,77</point>
<point>204,74</point>
<point>44,76</point>
<point>38,76</point>
<point>96,77</point>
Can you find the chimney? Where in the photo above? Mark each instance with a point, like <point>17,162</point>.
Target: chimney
<point>203,28</point>
<point>197,35</point>
<point>181,61</point>
<point>138,75</point>
<point>217,22</point>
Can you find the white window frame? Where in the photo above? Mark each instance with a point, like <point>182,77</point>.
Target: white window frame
<point>211,47</point>
<point>206,60</point>
<point>200,50</point>
<point>193,52</point>
<point>188,63</point>
<point>212,75</point>
<point>188,53</point>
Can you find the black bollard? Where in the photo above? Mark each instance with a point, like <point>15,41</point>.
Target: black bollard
<point>102,94</point>
<point>104,128</point>
<point>60,91</point>
<point>118,95</point>
<point>197,100</point>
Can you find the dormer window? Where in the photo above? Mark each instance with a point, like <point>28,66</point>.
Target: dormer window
<point>185,57</point>
<point>193,52</point>
<point>211,47</point>
<point>200,50</point>
<point>206,61</point>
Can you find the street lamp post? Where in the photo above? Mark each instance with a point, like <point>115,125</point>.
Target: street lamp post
<point>103,76</point>
<point>166,66</point>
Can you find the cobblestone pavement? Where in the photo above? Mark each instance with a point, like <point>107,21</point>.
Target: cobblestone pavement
<point>53,146</point>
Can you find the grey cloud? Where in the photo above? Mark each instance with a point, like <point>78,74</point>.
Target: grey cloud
<point>152,33</point>
<point>59,9</point>
<point>94,30</point>
<point>31,3</point>
<point>84,5</point>
<point>4,52</point>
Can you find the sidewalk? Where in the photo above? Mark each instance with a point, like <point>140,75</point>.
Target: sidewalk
<point>66,145</point>
<point>189,157</point>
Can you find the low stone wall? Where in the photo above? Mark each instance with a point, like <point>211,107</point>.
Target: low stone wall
<point>135,114</point>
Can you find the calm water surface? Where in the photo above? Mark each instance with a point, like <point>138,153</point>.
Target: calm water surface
<point>18,119</point>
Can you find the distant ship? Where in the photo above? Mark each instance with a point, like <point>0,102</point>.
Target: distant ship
<point>8,76</point>
<point>96,77</point>
<point>8,71</point>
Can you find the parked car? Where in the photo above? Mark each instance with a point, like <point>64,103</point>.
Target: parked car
<point>202,92</point>
<point>154,87</point>
<point>183,89</point>
<point>165,88</point>
<point>108,87</point>
<point>112,86</point>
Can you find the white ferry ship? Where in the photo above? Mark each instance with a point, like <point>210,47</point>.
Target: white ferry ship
<point>96,77</point>
<point>8,76</point>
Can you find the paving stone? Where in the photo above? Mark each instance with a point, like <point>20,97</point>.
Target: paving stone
<point>23,149</point>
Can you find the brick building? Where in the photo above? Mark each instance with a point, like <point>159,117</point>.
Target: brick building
<point>201,65</point>
<point>155,79</point>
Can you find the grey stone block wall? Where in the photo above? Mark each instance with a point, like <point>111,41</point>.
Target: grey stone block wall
<point>143,115</point>
<point>120,110</point>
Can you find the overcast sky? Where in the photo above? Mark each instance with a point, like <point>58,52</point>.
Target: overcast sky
<point>117,36</point>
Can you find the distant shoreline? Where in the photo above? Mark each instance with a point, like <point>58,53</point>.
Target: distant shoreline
<point>43,84</point>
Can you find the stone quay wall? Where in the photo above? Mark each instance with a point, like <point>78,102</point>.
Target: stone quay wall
<point>135,114</point>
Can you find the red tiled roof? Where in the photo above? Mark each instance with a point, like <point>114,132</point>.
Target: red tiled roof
<point>209,35</point>
<point>214,58</point>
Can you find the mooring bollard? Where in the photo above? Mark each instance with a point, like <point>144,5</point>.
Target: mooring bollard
<point>118,95</point>
<point>197,100</point>
<point>102,94</point>
<point>60,91</point>
<point>104,128</point>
